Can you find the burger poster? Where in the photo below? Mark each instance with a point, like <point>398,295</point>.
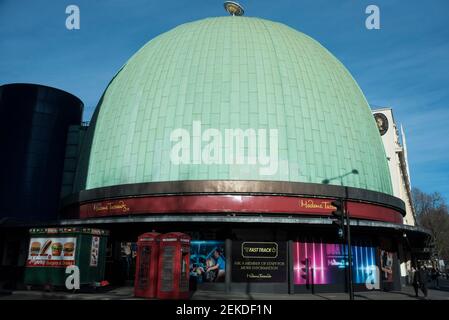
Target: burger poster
<point>51,252</point>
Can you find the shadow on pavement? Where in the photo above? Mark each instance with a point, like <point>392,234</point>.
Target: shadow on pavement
<point>407,294</point>
<point>358,295</point>
<point>445,289</point>
<point>323,297</point>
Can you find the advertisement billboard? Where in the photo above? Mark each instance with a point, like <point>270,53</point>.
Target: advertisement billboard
<point>94,250</point>
<point>51,252</point>
<point>259,261</point>
<point>386,265</point>
<point>208,261</point>
<point>325,263</point>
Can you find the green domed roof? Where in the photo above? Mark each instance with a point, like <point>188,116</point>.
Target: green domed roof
<point>230,73</point>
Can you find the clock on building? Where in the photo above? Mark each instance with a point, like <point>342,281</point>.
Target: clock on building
<point>382,123</point>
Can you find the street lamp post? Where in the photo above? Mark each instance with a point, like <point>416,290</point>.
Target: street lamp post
<point>348,239</point>
<point>343,218</point>
<point>343,222</point>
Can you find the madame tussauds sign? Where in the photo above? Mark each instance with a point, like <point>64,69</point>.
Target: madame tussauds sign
<point>226,147</point>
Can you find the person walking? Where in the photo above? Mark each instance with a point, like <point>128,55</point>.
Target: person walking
<point>423,279</point>
<point>126,259</point>
<point>435,278</point>
<point>420,281</point>
<point>415,280</point>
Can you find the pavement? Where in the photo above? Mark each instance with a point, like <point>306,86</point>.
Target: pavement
<point>126,293</point>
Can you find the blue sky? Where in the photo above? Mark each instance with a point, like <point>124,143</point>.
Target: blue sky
<point>404,65</point>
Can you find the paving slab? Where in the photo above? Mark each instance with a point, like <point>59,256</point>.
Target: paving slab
<point>126,293</point>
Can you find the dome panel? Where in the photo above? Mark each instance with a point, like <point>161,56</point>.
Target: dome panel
<point>234,73</point>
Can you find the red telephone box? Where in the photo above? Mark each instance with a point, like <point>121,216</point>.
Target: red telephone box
<point>145,282</point>
<point>174,270</point>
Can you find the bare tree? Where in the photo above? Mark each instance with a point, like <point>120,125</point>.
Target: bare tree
<point>432,213</point>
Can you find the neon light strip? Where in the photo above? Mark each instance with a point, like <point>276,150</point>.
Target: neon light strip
<point>322,262</point>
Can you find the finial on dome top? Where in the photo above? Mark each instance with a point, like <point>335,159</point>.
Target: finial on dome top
<point>234,8</point>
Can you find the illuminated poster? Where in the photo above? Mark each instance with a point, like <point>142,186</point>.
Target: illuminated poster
<point>94,249</point>
<point>325,263</point>
<point>207,261</point>
<point>386,265</point>
<point>51,252</point>
<point>259,261</point>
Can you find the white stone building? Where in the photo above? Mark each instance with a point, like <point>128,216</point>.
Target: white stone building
<point>395,146</point>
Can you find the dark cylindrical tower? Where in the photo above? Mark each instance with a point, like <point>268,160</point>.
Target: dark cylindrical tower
<point>35,121</point>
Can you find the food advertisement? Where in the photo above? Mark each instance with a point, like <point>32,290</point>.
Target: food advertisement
<point>51,252</point>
